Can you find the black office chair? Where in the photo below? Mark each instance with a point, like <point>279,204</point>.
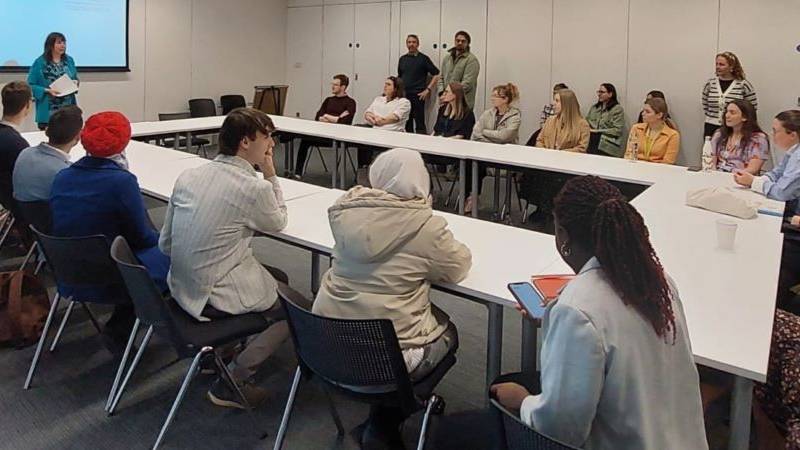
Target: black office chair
<point>202,107</point>
<point>520,436</point>
<point>532,140</point>
<point>231,102</point>
<point>353,356</point>
<point>169,141</point>
<point>77,262</point>
<point>36,213</point>
<point>190,338</point>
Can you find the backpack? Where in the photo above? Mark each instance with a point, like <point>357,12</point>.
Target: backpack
<point>24,306</point>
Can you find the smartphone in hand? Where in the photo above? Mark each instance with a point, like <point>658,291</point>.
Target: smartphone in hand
<point>529,298</point>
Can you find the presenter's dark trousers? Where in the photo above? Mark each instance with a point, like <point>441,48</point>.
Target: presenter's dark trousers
<point>416,120</point>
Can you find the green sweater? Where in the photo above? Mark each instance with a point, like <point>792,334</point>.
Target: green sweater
<point>612,122</point>
<point>464,69</point>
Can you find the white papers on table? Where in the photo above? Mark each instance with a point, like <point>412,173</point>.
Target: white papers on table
<point>64,85</point>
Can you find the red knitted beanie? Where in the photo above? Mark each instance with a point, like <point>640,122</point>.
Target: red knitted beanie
<point>106,134</point>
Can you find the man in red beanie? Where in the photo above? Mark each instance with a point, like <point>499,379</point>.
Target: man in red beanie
<point>98,195</point>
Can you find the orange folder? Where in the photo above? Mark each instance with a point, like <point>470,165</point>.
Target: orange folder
<point>549,286</point>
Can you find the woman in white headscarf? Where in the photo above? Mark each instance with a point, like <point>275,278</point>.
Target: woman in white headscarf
<point>389,249</point>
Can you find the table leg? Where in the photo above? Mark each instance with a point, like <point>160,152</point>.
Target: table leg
<point>315,275</point>
<point>286,169</point>
<point>529,350</point>
<point>741,403</point>
<point>462,185</point>
<point>189,142</point>
<point>177,140</point>
<point>343,168</point>
<point>474,189</point>
<point>496,196</point>
<point>494,343</point>
<point>335,168</point>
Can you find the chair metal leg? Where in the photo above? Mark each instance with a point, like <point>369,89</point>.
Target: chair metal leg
<point>334,412</point>
<point>61,327</point>
<point>431,402</point>
<point>92,318</point>
<point>142,346</point>
<point>122,363</point>
<point>226,373</point>
<point>288,411</point>
<point>8,224</point>
<point>39,266</point>
<point>181,393</point>
<point>42,338</point>
<point>350,159</point>
<point>28,255</point>
<point>322,159</point>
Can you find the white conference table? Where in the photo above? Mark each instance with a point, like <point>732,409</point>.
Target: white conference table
<point>730,324</point>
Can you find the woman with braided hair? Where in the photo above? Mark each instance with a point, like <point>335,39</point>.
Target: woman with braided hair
<point>617,370</point>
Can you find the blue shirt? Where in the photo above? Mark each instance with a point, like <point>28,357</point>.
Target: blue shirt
<point>783,182</point>
<point>38,80</point>
<point>34,171</point>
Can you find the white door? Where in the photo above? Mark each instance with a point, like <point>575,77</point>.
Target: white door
<point>372,51</point>
<point>423,19</point>
<point>338,46</point>
<point>469,16</point>
<point>304,62</point>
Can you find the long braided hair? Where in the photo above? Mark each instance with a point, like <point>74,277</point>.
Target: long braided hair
<point>598,217</point>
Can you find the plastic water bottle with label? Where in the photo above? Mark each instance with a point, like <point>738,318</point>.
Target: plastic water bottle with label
<point>633,149</point>
<point>708,155</point>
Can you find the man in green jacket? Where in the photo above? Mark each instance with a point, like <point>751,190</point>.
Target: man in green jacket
<point>461,66</point>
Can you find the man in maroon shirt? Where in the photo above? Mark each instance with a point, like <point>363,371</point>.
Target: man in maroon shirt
<point>338,108</point>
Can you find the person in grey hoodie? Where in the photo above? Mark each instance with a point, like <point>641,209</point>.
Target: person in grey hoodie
<point>389,248</point>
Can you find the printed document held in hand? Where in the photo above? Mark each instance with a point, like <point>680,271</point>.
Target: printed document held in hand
<point>64,85</point>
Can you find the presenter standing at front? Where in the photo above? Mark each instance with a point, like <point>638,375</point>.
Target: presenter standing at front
<point>49,67</point>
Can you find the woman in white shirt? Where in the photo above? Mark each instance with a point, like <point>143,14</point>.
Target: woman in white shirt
<point>616,361</point>
<point>387,112</point>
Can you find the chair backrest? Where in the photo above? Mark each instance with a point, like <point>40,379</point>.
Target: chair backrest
<point>231,102</point>
<point>173,116</point>
<point>532,140</point>
<point>151,307</point>
<point>83,262</point>
<point>349,353</point>
<point>36,213</point>
<point>519,436</point>
<point>202,107</point>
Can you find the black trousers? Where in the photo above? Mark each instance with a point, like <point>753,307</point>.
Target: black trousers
<point>416,119</point>
<point>789,275</point>
<point>481,428</point>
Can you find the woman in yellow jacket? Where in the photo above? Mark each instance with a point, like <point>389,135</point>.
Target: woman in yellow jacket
<point>657,139</point>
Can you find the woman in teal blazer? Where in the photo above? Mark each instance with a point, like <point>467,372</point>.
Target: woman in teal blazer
<point>47,68</point>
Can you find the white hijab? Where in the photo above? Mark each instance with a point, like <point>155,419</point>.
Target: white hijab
<point>401,172</point>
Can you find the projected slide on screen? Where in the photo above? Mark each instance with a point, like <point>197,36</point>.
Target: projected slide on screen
<point>96,32</point>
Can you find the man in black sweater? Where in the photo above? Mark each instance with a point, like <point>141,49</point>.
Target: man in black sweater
<point>17,101</point>
<point>338,108</point>
<point>414,68</point>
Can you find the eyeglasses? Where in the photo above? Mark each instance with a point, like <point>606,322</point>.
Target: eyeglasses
<point>602,92</point>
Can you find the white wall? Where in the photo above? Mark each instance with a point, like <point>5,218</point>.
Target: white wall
<point>638,45</point>
<point>180,49</point>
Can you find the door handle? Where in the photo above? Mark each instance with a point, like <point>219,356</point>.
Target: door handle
<point>358,45</point>
<point>350,45</point>
<point>444,45</point>
<point>434,46</point>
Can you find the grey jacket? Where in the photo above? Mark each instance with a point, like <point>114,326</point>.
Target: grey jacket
<point>503,131</point>
<point>212,215</point>
<point>34,171</point>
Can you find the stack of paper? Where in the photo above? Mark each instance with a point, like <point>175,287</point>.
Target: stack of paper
<point>64,85</point>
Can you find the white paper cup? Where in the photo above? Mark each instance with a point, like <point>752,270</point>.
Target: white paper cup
<point>726,233</point>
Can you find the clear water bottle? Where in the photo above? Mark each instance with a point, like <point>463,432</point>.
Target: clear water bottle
<point>632,152</point>
<point>708,155</point>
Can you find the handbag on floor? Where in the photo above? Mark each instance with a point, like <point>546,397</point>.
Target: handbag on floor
<point>24,305</point>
